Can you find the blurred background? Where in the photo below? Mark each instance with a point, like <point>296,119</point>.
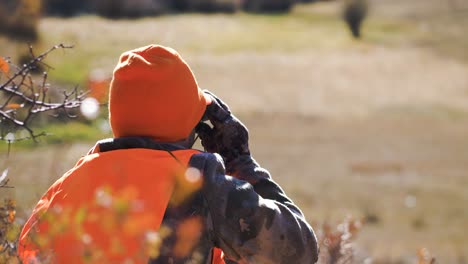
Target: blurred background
<point>358,108</point>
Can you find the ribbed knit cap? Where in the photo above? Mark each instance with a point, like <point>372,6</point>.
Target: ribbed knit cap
<point>154,93</point>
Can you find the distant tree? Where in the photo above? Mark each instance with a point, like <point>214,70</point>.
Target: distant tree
<point>19,19</point>
<point>268,5</point>
<point>130,8</point>
<point>65,8</point>
<point>354,13</point>
<point>228,6</point>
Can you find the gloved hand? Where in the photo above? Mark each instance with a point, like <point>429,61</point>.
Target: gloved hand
<point>228,137</point>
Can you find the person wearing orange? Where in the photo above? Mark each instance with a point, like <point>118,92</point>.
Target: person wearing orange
<point>146,196</point>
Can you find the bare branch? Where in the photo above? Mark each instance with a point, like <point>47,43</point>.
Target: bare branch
<point>23,99</point>
<point>26,68</point>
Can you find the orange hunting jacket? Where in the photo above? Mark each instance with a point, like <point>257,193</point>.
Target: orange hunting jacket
<point>132,199</point>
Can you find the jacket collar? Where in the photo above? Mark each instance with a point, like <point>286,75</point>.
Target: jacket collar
<point>110,144</point>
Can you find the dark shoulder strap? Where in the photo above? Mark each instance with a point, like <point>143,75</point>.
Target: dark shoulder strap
<point>135,142</point>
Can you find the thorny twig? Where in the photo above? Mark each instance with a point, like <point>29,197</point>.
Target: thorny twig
<point>23,99</point>
<point>338,245</point>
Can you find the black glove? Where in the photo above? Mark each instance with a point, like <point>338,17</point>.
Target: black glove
<point>228,137</point>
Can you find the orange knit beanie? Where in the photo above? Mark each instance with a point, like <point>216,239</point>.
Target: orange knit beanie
<point>154,93</point>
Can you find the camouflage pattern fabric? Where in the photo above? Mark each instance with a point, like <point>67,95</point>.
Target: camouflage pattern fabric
<point>228,137</point>
<point>253,223</point>
<point>248,216</point>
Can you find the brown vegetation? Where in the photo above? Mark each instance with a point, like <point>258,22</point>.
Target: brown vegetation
<point>19,19</point>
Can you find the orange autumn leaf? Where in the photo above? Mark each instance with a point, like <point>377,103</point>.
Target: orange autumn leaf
<point>98,89</point>
<point>11,216</point>
<point>188,234</point>
<point>4,67</point>
<point>186,183</point>
<point>13,106</point>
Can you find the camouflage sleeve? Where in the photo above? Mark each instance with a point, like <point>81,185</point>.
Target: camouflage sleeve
<point>253,222</point>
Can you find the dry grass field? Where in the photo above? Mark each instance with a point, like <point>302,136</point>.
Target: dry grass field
<point>376,129</point>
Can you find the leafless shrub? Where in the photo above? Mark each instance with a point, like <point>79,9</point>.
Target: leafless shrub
<point>9,232</point>
<point>336,244</point>
<point>425,256</point>
<point>24,96</point>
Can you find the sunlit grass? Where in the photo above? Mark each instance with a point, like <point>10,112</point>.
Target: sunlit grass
<point>309,27</point>
<point>303,30</point>
<point>75,131</point>
<point>60,133</point>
